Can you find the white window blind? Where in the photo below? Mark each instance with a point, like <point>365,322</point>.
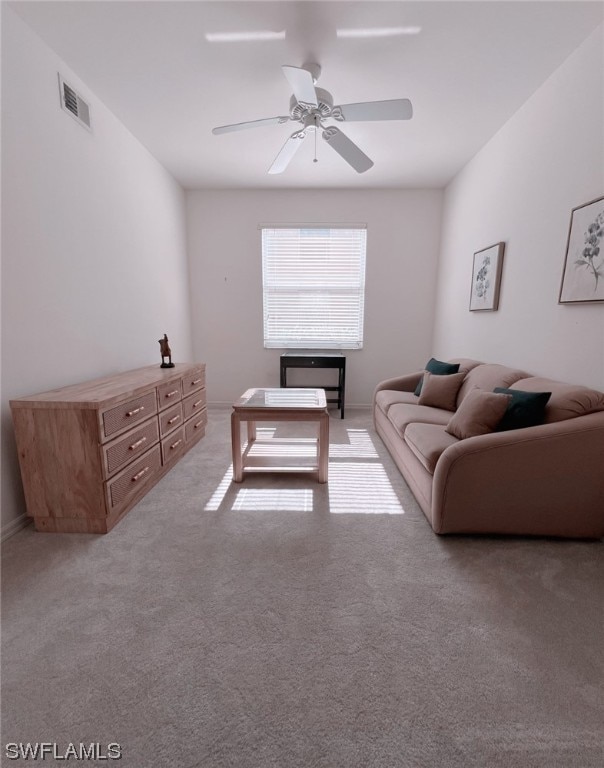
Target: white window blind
<point>314,287</point>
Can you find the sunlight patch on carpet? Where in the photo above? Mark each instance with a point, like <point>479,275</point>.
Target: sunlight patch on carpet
<point>361,488</point>
<point>360,446</point>
<point>220,492</point>
<point>274,499</point>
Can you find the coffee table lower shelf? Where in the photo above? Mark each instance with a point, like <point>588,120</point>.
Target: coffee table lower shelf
<point>280,455</point>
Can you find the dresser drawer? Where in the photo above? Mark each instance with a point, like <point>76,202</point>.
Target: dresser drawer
<point>194,404</point>
<point>129,480</point>
<point>172,446</point>
<point>125,449</point>
<point>193,381</point>
<point>195,427</point>
<point>129,413</point>
<point>170,419</point>
<point>168,394</point>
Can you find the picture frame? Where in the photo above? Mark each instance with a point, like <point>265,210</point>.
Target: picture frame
<point>486,278</point>
<point>583,272</point>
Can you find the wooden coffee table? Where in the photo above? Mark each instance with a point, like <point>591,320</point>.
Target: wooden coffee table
<point>280,405</point>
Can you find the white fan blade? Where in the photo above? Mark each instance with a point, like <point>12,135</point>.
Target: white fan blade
<point>347,149</point>
<point>249,124</point>
<point>301,84</point>
<point>288,150</point>
<point>395,109</point>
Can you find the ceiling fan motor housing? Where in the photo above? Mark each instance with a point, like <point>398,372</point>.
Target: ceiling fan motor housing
<point>299,111</point>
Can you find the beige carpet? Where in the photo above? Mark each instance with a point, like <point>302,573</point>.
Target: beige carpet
<point>282,623</point>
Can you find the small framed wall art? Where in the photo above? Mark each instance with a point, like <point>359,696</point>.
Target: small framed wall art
<point>486,278</point>
<point>583,273</point>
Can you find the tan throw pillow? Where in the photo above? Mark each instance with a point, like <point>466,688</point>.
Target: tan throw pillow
<point>440,390</point>
<point>479,413</point>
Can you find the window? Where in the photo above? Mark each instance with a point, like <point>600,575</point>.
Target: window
<point>314,287</point>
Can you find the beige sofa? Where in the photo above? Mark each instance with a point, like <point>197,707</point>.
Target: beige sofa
<point>545,480</point>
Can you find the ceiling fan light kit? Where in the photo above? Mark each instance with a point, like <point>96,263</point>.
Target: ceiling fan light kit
<point>311,106</point>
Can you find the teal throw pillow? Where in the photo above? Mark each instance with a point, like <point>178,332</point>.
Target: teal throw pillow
<point>439,368</point>
<point>525,409</point>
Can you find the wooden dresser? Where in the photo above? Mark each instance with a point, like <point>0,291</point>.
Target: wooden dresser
<point>89,452</point>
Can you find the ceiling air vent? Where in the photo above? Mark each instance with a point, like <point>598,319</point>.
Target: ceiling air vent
<point>74,104</point>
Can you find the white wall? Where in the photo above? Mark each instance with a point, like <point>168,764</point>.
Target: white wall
<point>94,266</point>
<point>226,281</point>
<point>521,187</point>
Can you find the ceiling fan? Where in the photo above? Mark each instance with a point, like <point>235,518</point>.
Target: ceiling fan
<point>311,106</point>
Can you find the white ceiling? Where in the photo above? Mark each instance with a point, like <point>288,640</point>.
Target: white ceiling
<point>469,69</point>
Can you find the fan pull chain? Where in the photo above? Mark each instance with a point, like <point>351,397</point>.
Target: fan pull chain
<point>316,130</point>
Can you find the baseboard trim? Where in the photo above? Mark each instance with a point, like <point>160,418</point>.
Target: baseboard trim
<point>14,526</point>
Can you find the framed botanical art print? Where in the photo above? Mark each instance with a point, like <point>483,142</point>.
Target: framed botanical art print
<point>583,273</point>
<point>486,278</point>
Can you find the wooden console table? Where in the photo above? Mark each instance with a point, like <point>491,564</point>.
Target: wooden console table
<point>317,360</point>
<point>89,452</point>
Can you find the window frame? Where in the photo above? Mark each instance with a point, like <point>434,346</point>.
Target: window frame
<point>355,292</point>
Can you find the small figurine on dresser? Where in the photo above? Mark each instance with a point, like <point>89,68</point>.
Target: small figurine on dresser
<point>165,352</point>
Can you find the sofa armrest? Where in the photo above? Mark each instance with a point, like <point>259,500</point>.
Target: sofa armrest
<point>546,480</point>
<point>405,383</point>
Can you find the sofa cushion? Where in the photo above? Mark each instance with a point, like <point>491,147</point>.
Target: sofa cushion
<point>428,441</point>
<point>438,367</point>
<point>525,409</point>
<point>488,376</point>
<point>465,363</point>
<point>440,391</point>
<point>387,397</point>
<point>402,414</point>
<point>567,400</point>
<point>479,414</point>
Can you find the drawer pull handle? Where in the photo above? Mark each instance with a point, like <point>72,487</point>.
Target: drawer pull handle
<point>173,419</point>
<point>138,475</point>
<point>196,381</point>
<point>176,444</point>
<point>199,402</point>
<point>135,411</point>
<point>172,393</point>
<point>199,424</point>
<point>138,443</point>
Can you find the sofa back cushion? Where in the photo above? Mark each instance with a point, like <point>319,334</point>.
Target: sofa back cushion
<point>567,400</point>
<point>465,363</point>
<point>488,376</point>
